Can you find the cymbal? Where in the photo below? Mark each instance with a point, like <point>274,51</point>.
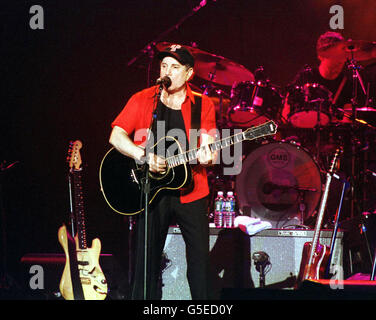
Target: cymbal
<point>215,68</point>
<point>362,109</point>
<point>360,50</point>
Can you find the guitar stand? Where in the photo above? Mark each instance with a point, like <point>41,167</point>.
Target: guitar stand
<point>345,185</point>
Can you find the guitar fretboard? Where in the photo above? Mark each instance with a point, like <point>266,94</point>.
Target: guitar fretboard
<point>79,208</point>
<point>263,130</point>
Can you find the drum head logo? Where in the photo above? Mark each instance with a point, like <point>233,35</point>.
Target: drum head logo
<point>279,158</point>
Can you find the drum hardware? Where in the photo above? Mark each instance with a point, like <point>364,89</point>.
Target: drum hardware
<point>214,68</point>
<point>354,67</point>
<point>220,99</point>
<point>253,103</point>
<point>310,105</point>
<point>302,206</point>
<point>367,216</point>
<point>272,179</point>
<point>360,50</point>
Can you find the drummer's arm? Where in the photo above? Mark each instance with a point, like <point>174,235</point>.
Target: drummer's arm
<point>285,110</point>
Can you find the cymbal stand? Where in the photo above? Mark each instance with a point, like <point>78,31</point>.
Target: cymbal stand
<point>209,88</point>
<point>149,48</point>
<point>356,77</point>
<point>365,215</point>
<point>318,132</point>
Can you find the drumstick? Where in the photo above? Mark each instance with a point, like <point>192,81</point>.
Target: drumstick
<point>339,90</point>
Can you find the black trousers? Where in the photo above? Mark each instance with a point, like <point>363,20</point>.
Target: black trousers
<point>193,222</point>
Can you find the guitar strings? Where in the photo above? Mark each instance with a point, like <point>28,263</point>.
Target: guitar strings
<point>170,160</point>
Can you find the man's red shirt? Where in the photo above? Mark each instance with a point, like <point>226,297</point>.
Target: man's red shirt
<point>137,115</point>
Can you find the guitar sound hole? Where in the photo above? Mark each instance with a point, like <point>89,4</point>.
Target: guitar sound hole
<point>158,175</point>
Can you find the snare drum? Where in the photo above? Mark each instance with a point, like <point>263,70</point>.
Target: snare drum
<point>253,104</point>
<point>310,105</point>
<point>275,180</point>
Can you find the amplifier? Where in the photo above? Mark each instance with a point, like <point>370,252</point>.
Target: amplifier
<point>231,260</point>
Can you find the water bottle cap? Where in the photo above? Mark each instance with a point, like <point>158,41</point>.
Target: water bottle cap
<point>220,193</point>
<point>230,193</point>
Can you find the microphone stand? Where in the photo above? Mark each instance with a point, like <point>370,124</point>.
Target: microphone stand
<point>149,47</point>
<point>145,185</point>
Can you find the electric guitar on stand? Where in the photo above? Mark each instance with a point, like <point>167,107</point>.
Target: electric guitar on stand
<point>315,255</point>
<point>82,277</point>
<point>120,176</point>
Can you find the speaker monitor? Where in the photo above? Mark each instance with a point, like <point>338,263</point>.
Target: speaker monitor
<point>231,263</point>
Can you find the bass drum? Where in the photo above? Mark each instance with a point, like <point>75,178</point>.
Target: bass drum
<point>278,182</point>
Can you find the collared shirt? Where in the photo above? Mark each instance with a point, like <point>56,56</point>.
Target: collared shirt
<point>135,119</point>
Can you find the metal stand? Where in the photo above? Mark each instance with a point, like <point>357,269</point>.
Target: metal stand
<point>334,236</point>
<point>150,47</point>
<point>302,205</point>
<point>372,277</point>
<point>145,188</point>
<point>261,262</point>
<point>6,281</point>
<point>373,271</point>
<point>352,65</point>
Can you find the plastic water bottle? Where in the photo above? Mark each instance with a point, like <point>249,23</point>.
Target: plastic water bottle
<point>229,212</point>
<point>218,209</point>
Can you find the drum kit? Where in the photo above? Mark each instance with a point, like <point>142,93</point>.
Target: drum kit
<point>282,177</point>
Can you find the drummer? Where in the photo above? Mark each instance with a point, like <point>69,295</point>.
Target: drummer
<point>330,73</point>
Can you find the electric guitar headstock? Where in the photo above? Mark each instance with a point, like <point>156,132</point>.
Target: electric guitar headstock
<point>74,156</point>
<point>335,158</point>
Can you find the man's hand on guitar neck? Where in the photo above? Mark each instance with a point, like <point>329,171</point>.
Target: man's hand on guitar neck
<point>205,156</point>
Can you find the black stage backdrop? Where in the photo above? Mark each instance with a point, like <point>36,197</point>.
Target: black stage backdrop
<point>69,80</point>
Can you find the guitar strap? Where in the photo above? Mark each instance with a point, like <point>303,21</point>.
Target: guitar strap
<point>78,292</point>
<point>196,118</point>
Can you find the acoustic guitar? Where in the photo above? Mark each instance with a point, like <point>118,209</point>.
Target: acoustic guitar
<point>315,255</point>
<point>120,176</point>
<point>82,277</point>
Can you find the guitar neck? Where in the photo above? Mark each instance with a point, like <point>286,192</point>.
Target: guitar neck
<point>78,207</point>
<point>263,130</point>
<point>316,234</point>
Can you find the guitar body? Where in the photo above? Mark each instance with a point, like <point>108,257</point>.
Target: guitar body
<point>120,179</point>
<point>120,176</point>
<point>315,270</point>
<point>92,279</point>
<point>315,256</point>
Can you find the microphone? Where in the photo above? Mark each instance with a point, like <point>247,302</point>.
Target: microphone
<point>261,257</point>
<point>269,187</point>
<point>165,81</point>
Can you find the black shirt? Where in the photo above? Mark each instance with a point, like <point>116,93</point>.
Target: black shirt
<point>170,123</point>
<point>312,75</point>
